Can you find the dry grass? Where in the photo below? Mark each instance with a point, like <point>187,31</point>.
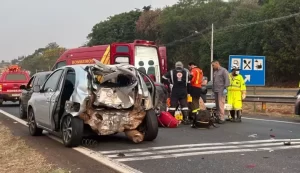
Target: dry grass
<point>17,157</point>
<point>273,109</point>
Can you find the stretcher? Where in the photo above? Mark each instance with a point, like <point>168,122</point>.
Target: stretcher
<point>211,107</point>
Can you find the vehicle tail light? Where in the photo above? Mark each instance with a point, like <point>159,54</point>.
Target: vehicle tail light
<point>0,87</point>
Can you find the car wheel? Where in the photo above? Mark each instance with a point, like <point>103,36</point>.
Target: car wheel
<point>72,131</point>
<point>22,113</point>
<point>1,102</point>
<point>150,126</point>
<point>33,129</point>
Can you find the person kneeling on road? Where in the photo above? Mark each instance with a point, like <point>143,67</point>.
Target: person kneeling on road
<point>236,93</point>
<point>179,78</point>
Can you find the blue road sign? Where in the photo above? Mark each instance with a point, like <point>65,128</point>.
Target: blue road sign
<point>252,68</point>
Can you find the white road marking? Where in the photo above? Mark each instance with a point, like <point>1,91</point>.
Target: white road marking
<point>198,149</point>
<point>275,121</point>
<point>205,153</point>
<point>117,166</point>
<point>196,145</point>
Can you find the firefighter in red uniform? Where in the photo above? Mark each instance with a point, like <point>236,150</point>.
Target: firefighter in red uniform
<point>179,78</point>
<point>195,88</point>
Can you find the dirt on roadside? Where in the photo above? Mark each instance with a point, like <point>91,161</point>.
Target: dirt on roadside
<point>17,157</point>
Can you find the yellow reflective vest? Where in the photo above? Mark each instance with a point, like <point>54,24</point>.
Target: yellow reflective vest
<point>237,83</point>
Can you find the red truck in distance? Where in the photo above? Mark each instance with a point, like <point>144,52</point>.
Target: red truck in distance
<point>10,81</point>
<point>143,54</point>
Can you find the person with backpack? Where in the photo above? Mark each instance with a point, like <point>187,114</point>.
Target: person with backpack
<point>179,78</point>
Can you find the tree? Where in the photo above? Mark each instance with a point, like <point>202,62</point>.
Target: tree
<point>117,28</point>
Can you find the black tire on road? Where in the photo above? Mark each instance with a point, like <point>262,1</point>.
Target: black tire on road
<point>1,102</point>
<point>22,112</point>
<point>151,125</point>
<point>72,131</point>
<point>33,129</point>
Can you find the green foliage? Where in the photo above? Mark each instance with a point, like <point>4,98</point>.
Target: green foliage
<point>117,28</point>
<point>42,59</point>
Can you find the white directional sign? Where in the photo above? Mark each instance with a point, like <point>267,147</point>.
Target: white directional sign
<point>247,78</point>
<point>258,64</point>
<point>247,64</point>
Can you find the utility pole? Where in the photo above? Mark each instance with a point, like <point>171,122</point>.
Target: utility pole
<point>212,51</point>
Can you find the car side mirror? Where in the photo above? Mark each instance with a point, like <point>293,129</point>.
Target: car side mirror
<point>23,87</point>
<point>36,88</point>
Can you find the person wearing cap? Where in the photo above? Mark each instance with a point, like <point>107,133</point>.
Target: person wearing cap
<point>236,93</point>
<point>178,78</point>
<point>195,87</point>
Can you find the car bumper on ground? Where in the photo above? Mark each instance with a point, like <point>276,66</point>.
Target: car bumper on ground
<point>10,96</point>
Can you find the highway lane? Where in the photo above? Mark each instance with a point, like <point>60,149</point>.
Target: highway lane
<point>208,150</point>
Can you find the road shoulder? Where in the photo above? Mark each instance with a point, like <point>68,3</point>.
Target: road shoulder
<point>54,152</point>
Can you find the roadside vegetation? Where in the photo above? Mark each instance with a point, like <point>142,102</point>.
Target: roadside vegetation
<point>241,27</point>
<point>17,157</point>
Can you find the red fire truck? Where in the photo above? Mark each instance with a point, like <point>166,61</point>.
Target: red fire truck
<point>143,54</point>
<point>10,81</point>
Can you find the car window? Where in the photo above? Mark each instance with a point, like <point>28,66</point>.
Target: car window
<point>60,64</point>
<point>53,81</point>
<point>41,79</point>
<point>30,83</point>
<point>15,77</point>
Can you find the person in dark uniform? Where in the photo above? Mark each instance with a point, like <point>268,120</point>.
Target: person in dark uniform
<point>179,78</point>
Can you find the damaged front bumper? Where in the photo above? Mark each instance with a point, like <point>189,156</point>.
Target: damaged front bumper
<point>114,98</point>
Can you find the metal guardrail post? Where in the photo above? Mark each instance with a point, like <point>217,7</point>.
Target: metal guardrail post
<point>254,104</point>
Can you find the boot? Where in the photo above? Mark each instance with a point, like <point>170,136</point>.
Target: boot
<point>239,116</point>
<point>186,120</point>
<point>232,114</point>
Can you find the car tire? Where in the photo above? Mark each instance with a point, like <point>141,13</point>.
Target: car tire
<point>72,131</point>
<point>151,126</point>
<point>1,102</point>
<point>32,127</point>
<point>22,112</point>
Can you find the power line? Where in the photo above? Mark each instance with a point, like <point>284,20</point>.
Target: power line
<point>190,37</point>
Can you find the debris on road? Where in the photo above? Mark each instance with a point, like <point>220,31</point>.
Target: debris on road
<point>272,136</point>
<point>271,151</point>
<point>287,143</point>
<point>121,155</point>
<point>251,166</point>
<point>253,136</point>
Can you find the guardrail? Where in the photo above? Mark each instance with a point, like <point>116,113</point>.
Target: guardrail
<point>264,99</point>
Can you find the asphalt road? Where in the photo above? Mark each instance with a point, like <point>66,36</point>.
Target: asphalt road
<point>251,146</point>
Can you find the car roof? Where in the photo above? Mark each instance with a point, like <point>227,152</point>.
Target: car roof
<point>44,73</point>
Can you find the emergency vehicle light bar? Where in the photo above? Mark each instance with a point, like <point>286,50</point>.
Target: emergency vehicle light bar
<point>13,68</point>
<point>144,42</point>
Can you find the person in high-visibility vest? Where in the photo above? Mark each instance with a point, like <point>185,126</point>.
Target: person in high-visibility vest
<point>236,93</point>
<point>195,87</point>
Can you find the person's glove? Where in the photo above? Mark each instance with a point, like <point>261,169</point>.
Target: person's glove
<point>243,96</point>
<point>224,91</point>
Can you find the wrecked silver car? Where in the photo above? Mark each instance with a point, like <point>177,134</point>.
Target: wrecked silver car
<point>107,98</point>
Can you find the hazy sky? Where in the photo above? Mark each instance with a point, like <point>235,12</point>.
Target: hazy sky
<point>26,25</point>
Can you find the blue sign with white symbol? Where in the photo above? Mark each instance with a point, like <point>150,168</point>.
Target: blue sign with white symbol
<point>252,68</point>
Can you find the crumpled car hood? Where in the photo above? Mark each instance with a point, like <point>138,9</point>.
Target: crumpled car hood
<point>112,98</point>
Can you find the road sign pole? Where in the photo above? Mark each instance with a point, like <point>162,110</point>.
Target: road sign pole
<point>212,51</point>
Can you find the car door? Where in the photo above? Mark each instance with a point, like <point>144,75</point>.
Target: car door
<point>26,94</point>
<point>44,100</point>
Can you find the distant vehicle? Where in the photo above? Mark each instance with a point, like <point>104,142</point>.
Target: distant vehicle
<point>10,81</point>
<point>297,104</point>
<point>105,99</point>
<point>143,54</point>
<point>27,90</point>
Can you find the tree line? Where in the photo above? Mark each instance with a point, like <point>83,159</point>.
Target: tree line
<point>242,27</point>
